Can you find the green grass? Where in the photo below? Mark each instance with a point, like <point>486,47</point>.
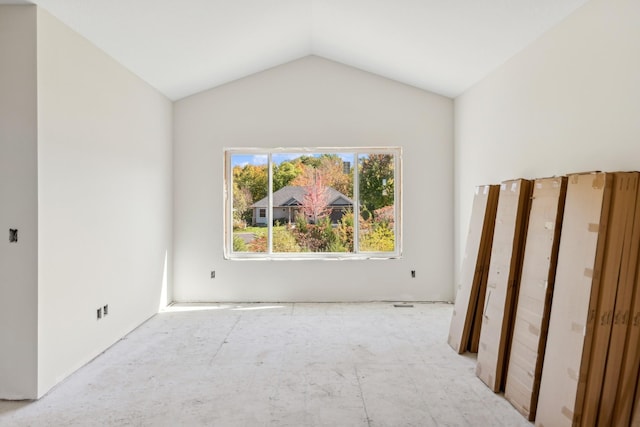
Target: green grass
<point>254,230</point>
<point>258,231</point>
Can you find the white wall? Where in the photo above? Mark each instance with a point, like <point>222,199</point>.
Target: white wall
<point>104,178</point>
<point>569,102</point>
<point>18,203</point>
<point>313,102</point>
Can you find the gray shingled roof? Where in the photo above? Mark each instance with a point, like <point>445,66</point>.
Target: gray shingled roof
<point>293,196</point>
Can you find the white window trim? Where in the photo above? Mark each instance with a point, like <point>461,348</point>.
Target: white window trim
<point>229,254</point>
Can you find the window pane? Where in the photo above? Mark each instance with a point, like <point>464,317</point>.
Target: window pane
<point>312,202</point>
<point>249,177</point>
<point>377,203</point>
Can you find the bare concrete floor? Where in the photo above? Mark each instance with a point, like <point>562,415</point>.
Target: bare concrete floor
<point>277,365</point>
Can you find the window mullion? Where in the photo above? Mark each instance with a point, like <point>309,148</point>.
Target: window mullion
<point>269,204</point>
<point>356,205</point>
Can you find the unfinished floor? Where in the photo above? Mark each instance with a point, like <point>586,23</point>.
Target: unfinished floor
<point>227,365</point>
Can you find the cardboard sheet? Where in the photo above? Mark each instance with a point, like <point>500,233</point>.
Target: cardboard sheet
<point>473,266</point>
<point>623,363</point>
<point>575,295</point>
<point>534,296</point>
<point>485,255</point>
<point>619,232</point>
<point>502,281</point>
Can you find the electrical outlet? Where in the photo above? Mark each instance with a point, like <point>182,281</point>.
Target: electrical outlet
<point>105,309</point>
<point>99,313</point>
<point>13,235</point>
<point>413,274</point>
<point>213,274</point>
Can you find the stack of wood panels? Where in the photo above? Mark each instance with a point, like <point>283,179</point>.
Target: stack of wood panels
<point>626,382</point>
<point>591,361</point>
<point>502,282</point>
<point>534,296</point>
<point>464,328</point>
<point>613,304</point>
<point>597,262</point>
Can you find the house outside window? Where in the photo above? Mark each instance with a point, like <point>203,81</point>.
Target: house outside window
<point>313,203</point>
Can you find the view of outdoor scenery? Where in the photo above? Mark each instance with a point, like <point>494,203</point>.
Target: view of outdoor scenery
<point>313,203</point>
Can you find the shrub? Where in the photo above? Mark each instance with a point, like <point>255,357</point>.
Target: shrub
<point>344,232</point>
<point>314,237</point>
<point>239,224</point>
<point>259,244</point>
<point>239,244</point>
<point>301,222</point>
<point>337,247</point>
<point>378,238</point>
<point>284,241</point>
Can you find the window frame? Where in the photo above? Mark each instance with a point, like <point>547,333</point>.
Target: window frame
<point>229,254</point>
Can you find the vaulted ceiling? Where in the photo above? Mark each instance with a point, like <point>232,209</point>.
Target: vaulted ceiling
<point>185,46</point>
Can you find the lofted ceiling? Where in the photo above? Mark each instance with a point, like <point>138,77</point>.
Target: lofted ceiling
<point>182,47</point>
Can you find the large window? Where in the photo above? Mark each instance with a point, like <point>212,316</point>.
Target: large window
<point>313,203</point>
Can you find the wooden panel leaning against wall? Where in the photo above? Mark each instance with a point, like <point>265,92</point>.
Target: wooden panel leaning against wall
<point>534,296</point>
<point>470,292</point>
<point>581,254</point>
<point>502,282</point>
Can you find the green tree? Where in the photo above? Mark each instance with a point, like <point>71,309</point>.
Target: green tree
<point>284,174</point>
<point>311,161</point>
<point>376,183</point>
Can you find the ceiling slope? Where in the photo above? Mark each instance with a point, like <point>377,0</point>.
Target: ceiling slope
<point>182,47</point>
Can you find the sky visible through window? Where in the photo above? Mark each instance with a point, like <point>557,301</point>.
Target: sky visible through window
<point>277,158</point>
